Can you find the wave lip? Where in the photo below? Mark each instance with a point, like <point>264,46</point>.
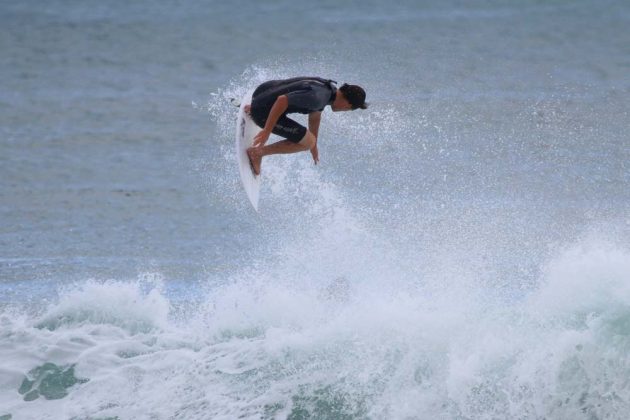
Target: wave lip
<point>122,304</point>
<point>586,281</point>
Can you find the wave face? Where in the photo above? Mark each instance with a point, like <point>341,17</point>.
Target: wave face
<point>462,251</point>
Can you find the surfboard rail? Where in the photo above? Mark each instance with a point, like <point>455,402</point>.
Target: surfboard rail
<point>246,129</point>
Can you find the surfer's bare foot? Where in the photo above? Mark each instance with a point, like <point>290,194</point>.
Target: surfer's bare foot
<point>247,109</point>
<point>255,158</point>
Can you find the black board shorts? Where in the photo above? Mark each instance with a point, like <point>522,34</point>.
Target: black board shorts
<point>285,127</point>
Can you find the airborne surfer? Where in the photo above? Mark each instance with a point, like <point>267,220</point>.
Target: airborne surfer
<point>273,100</point>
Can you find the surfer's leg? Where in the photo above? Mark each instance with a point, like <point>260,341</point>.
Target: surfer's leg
<point>282,147</point>
<point>289,146</point>
<point>297,139</point>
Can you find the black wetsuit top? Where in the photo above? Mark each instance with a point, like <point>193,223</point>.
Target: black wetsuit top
<point>305,95</point>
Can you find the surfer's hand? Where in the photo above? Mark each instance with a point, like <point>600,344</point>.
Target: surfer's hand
<point>315,154</point>
<point>261,138</point>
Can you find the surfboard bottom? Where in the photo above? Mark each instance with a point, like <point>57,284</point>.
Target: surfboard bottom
<point>246,130</point>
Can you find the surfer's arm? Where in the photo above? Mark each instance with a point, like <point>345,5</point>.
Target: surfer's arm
<point>278,108</point>
<point>313,126</point>
<point>313,123</point>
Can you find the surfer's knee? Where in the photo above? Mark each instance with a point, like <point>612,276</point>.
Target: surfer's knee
<point>308,141</point>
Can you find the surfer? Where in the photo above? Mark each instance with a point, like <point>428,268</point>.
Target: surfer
<point>273,100</point>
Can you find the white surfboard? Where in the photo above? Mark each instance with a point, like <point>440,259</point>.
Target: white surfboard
<point>246,129</point>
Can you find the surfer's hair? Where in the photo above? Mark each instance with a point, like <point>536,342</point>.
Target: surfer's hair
<point>355,95</point>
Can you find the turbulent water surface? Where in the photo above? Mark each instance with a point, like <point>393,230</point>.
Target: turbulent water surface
<point>461,252</point>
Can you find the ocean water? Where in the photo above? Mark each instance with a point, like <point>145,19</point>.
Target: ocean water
<point>462,251</point>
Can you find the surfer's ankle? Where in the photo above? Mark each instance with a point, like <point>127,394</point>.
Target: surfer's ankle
<point>256,152</point>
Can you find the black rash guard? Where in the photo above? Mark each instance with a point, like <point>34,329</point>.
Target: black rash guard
<point>305,95</point>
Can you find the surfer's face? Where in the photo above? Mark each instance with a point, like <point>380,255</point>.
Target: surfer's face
<point>340,103</point>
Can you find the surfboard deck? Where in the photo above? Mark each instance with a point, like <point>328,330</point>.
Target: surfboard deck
<point>246,129</point>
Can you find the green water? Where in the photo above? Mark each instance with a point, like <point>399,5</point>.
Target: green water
<point>49,381</point>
